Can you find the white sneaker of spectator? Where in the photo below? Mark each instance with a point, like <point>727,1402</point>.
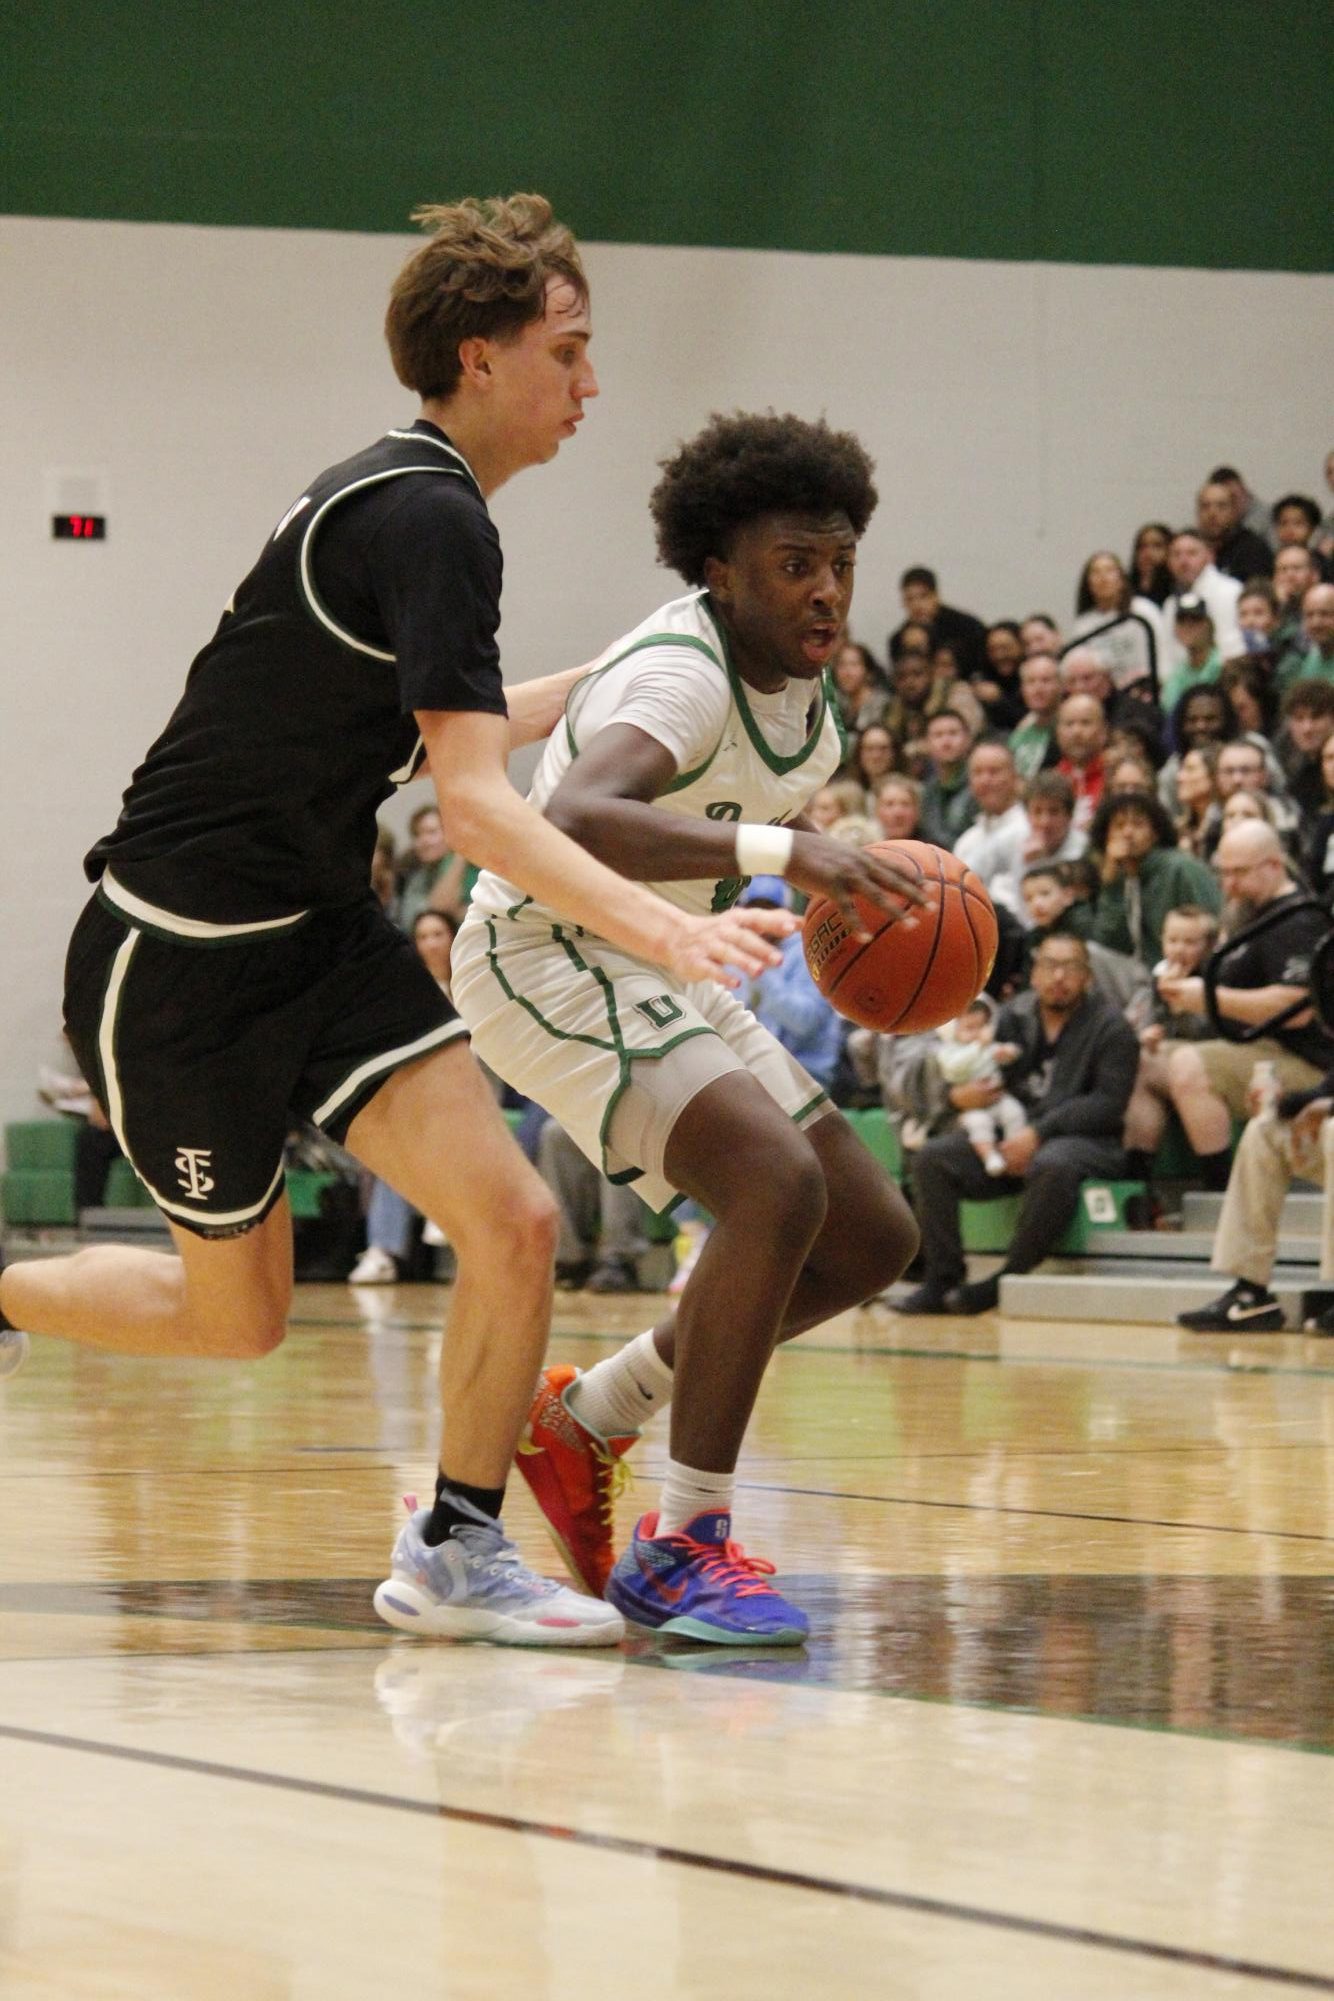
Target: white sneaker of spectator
<point>373,1267</point>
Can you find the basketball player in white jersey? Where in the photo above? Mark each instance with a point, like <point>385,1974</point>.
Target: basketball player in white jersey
<point>233,970</point>
<point>685,760</point>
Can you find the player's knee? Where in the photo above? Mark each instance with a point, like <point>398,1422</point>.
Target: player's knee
<point>799,1189</point>
<point>244,1337</point>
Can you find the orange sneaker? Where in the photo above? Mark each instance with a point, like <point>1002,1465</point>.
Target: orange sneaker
<point>575,1477</point>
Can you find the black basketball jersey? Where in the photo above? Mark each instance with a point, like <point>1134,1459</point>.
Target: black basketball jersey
<point>377,594</point>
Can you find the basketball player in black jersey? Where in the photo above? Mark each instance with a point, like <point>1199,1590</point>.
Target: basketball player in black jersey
<point>233,970</point>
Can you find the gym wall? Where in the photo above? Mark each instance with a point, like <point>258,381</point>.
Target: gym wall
<point>1050,261</point>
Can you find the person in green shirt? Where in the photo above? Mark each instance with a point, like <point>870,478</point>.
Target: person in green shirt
<point>1203,664</point>
<point>1317,663</point>
<point>1144,875</point>
<point>1033,739</point>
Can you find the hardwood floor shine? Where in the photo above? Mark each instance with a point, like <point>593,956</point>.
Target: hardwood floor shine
<point>1059,1730</point>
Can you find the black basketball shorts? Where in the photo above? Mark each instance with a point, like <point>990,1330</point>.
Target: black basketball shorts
<point>205,1045</point>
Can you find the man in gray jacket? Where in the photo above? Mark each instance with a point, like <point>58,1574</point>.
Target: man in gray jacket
<point>1075,1072</point>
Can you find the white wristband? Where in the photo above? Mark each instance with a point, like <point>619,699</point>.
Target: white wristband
<point>762,850</point>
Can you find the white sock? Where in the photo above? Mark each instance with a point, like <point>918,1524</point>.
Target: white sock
<point>687,1492</point>
<point>617,1396</point>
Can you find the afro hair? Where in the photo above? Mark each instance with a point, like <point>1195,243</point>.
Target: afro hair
<point>742,467</point>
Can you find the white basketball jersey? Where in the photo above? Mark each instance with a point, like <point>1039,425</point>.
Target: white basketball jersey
<point>740,754</point>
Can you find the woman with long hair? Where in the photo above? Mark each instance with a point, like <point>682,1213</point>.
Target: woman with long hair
<point>1196,794</point>
<point>1251,696</point>
<point>1118,624</point>
<point>1149,574</point>
<point>874,757</point>
<point>860,687</point>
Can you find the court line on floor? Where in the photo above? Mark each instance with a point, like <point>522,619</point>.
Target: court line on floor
<point>1038,1514</point>
<point>793,1349</point>
<point>690,1858</point>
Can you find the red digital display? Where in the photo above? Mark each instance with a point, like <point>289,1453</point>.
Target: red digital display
<point>79,527</point>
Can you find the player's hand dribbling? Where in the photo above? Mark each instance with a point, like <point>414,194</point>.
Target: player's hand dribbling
<point>723,948</point>
<point>822,867</point>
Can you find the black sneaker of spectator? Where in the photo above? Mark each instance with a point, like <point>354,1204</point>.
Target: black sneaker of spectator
<point>926,1299</point>
<point>1243,1309</point>
<point>615,1275</point>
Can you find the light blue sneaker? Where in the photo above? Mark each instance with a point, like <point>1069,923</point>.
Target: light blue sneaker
<point>474,1586</point>
<point>14,1348</point>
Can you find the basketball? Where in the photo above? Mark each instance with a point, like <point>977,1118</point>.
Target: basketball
<point>900,980</point>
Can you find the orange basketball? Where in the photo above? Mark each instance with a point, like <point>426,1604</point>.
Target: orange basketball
<point>904,979</point>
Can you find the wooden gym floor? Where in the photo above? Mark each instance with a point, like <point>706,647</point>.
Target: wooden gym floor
<point>1063,1729</point>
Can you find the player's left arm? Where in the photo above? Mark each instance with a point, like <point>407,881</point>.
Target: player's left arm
<point>535,707</point>
<point>605,802</point>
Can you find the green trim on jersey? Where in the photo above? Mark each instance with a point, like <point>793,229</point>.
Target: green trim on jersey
<point>649,639</point>
<point>758,741</point>
<point>615,1046</point>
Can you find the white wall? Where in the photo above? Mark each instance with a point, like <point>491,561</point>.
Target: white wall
<point>1021,416</point>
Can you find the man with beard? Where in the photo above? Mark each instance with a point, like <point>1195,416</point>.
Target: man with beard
<point>1259,978</point>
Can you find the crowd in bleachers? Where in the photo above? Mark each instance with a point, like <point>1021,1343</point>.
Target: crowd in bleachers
<point>1151,778</point>
<point>1146,787</point>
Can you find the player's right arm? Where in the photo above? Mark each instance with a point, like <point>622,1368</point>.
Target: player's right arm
<point>605,803</point>
<point>484,818</point>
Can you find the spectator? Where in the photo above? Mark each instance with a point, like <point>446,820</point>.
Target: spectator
<point>391,1222</point>
<point>1196,794</point>
<point>1190,933</point>
<point>1081,734</point>
<point>1194,575</point>
<point>1033,740</point>
<point>1130,771</point>
<point>430,876</point>
<point>1201,716</point>
<point>948,627</point>
<point>786,1000</point>
<point>1308,718</point>
<point>1237,550</point>
<point>947,804</point>
<point>1296,520</point>
<point>1317,663</point>
<point>601,1236</point>
<point>1049,801</point>
<point>1200,663</point>
<point>1074,1073</point>
<point>993,846</point>
<point>1083,673</point>
<point>1318,841</point>
<point>1144,874</point>
<point>968,1053</point>
<point>1295,1137</point>
<point>998,688</point>
<point>1325,538</point>
<point>916,697</point>
<point>898,808</point>
<point>834,802</point>
<point>1256,986</point>
<point>1149,575</point>
<point>1252,697</point>
<point>1251,511</point>
<point>1257,615</point>
<point>1240,806</point>
<point>874,756</point>
<point>1123,628</point>
<point>1039,633</point>
<point>859,687</point>
<point>384,875</point>
<point>1248,764</point>
<point>1295,573</point>
<point>1054,909</point>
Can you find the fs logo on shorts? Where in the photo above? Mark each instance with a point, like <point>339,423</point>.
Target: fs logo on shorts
<point>192,1165</point>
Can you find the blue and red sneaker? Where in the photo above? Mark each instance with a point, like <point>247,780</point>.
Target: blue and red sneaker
<point>703,1585</point>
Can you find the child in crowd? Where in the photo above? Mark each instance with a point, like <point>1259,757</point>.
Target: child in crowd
<point>968,1054</point>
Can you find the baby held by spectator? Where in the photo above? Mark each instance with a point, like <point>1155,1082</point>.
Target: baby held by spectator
<point>968,1055</point>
